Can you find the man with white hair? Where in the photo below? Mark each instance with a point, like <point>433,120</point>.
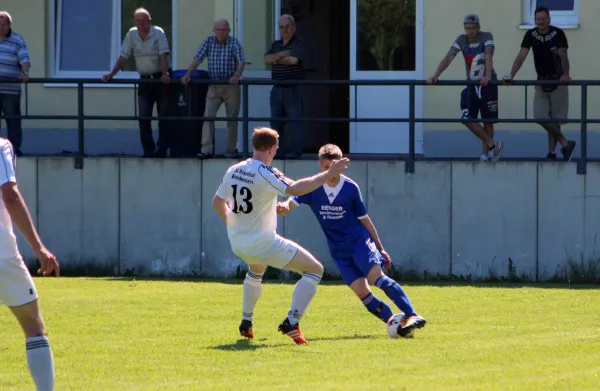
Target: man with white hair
<point>14,64</point>
<point>286,58</point>
<point>225,62</point>
<point>149,46</point>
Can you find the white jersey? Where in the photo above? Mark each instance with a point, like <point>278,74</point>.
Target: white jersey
<point>8,241</point>
<point>251,189</point>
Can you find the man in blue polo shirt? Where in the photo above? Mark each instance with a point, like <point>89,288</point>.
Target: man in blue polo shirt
<point>14,64</point>
<point>354,243</point>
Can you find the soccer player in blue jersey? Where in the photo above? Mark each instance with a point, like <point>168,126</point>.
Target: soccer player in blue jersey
<point>354,243</point>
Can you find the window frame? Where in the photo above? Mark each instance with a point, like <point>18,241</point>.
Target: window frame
<point>562,19</point>
<point>54,22</point>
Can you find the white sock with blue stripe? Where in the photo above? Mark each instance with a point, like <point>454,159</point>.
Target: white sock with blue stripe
<point>252,292</point>
<point>40,362</point>
<point>304,292</point>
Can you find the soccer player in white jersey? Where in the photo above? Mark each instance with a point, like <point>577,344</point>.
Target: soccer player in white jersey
<point>17,289</point>
<point>354,243</point>
<point>247,201</point>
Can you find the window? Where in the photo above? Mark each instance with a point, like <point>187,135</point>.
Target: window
<point>87,35</point>
<point>564,13</point>
<point>386,35</point>
<point>257,35</point>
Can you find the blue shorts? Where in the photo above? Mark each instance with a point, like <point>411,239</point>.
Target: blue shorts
<point>359,262</point>
<point>477,99</point>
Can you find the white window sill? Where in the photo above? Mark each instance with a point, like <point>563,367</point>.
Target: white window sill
<point>92,75</point>
<point>527,26</point>
<point>99,85</point>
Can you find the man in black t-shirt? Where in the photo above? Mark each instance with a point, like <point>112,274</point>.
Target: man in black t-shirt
<point>549,44</point>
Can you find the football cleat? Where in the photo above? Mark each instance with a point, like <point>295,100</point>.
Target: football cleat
<point>408,325</point>
<point>246,329</point>
<point>292,331</point>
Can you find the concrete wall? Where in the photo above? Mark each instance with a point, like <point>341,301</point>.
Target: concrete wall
<point>154,217</point>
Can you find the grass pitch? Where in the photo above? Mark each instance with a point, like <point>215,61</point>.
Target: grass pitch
<point>115,334</point>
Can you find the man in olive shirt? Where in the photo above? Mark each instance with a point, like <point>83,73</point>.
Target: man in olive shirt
<point>149,46</point>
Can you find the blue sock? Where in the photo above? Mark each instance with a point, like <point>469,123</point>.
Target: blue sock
<point>377,307</point>
<point>395,292</point>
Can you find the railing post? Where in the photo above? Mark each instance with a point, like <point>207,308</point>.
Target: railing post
<point>526,101</point>
<point>409,166</point>
<point>80,129</point>
<point>582,162</point>
<point>26,99</point>
<point>245,124</point>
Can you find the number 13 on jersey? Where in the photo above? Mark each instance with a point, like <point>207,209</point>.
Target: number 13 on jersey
<point>244,204</point>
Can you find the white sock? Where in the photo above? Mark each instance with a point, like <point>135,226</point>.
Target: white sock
<point>484,157</point>
<point>304,291</point>
<point>252,291</point>
<point>40,362</point>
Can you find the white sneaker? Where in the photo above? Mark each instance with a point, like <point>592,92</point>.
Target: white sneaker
<point>497,151</point>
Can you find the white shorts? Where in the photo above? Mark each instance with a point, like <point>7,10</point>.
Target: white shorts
<point>277,253</point>
<point>16,285</point>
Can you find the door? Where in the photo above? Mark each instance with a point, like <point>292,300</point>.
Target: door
<point>386,43</point>
<point>312,25</point>
<point>256,27</point>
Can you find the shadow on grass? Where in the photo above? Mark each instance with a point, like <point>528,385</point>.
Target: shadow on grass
<point>247,345</point>
<point>437,284</point>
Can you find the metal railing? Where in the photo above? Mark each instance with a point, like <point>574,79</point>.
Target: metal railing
<point>409,159</point>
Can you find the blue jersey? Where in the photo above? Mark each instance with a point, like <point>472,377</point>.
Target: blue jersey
<point>339,210</point>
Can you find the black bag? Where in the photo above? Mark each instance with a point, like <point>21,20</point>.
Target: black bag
<point>549,88</point>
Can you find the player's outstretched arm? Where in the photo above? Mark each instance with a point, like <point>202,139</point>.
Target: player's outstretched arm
<point>220,206</point>
<point>286,207</point>
<point>19,214</point>
<point>17,209</point>
<point>306,185</point>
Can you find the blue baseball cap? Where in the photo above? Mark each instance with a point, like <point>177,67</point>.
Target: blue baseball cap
<point>471,18</point>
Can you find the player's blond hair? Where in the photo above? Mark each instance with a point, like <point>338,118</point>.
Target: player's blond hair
<point>264,138</point>
<point>330,152</point>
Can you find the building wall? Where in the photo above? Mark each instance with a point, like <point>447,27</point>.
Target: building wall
<point>443,23</point>
<point>195,22</point>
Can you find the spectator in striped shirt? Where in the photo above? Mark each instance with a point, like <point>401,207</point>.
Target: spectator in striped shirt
<point>286,58</point>
<point>14,64</point>
<point>225,62</point>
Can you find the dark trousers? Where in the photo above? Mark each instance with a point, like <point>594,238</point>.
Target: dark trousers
<point>148,95</point>
<point>10,104</point>
<point>287,102</point>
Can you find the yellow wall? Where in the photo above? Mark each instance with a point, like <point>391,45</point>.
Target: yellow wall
<point>194,24</point>
<point>443,23</point>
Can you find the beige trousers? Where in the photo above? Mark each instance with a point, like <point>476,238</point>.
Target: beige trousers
<point>217,95</point>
